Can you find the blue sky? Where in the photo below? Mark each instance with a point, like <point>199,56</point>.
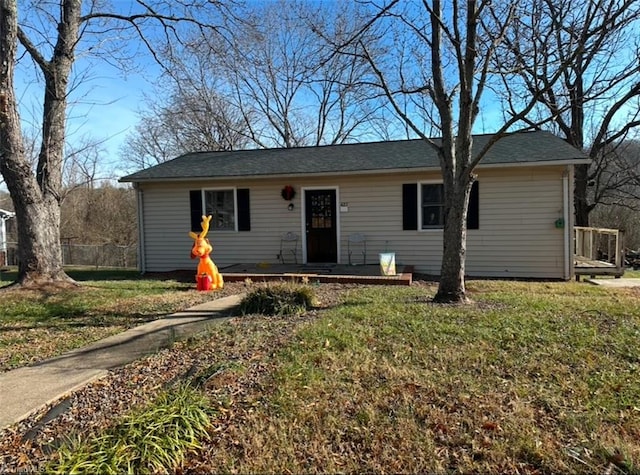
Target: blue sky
<point>103,108</point>
<point>104,105</point>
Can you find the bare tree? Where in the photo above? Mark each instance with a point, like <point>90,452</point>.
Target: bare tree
<point>100,214</point>
<point>52,35</point>
<point>85,163</point>
<point>280,80</point>
<point>437,65</point>
<point>275,85</point>
<point>192,116</point>
<point>595,103</point>
<point>617,182</point>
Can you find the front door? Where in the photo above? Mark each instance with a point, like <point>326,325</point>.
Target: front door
<point>321,228</point>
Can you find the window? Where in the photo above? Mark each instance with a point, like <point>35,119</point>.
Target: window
<point>220,204</point>
<point>432,206</point>
<point>425,203</point>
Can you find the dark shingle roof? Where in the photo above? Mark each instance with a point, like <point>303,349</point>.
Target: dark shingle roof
<point>519,148</point>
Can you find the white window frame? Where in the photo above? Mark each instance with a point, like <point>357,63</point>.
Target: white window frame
<point>420,206</point>
<point>235,207</point>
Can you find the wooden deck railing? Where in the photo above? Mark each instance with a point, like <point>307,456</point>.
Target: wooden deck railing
<point>598,251</point>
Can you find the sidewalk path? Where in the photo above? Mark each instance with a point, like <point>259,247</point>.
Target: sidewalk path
<point>27,389</point>
<point>615,283</point>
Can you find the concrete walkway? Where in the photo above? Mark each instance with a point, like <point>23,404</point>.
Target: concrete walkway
<point>25,390</point>
<point>616,283</point>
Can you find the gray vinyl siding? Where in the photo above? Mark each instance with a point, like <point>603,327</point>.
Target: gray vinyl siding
<point>167,225</point>
<point>517,236</point>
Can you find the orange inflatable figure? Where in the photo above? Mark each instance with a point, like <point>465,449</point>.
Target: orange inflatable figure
<point>208,277</point>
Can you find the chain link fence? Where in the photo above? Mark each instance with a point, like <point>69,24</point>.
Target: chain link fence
<point>104,255</point>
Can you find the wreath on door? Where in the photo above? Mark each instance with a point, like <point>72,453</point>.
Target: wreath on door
<point>288,193</point>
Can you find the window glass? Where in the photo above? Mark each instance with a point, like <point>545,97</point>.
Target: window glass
<point>432,206</point>
<point>220,204</point>
<point>321,211</point>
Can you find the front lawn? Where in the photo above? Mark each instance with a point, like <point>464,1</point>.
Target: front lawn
<point>36,325</point>
<point>530,378</point>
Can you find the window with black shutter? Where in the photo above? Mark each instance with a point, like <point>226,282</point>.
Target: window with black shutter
<point>429,206</point>
<point>221,204</point>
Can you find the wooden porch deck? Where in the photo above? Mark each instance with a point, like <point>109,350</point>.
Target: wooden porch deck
<point>324,273</point>
<point>598,251</point>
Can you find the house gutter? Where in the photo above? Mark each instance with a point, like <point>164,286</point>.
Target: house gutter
<point>568,222</point>
<point>142,267</point>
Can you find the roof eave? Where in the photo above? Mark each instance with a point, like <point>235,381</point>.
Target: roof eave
<point>131,179</point>
<point>544,163</point>
<point>283,175</point>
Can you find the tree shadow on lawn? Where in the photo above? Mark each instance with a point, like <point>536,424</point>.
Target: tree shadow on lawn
<point>82,275</point>
<point>61,322</point>
<point>9,274</point>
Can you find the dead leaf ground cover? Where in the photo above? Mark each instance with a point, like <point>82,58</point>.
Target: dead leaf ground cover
<point>531,378</point>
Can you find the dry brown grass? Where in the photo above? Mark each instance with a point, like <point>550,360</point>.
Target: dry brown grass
<point>531,378</point>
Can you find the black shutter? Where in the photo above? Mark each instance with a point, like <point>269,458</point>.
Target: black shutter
<point>195,200</point>
<point>473,213</point>
<point>244,211</point>
<point>409,206</point>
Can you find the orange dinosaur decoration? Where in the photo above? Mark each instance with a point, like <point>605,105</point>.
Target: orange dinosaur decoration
<point>208,277</point>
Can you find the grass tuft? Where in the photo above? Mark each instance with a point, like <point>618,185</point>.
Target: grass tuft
<point>279,300</point>
<point>153,440</point>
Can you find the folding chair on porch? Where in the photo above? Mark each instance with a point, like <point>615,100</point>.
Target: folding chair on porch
<point>356,242</point>
<point>288,244</point>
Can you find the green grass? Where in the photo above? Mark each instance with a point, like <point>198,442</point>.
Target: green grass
<point>153,439</point>
<point>278,300</point>
<point>81,274</point>
<point>35,325</point>
<point>532,378</point>
<point>629,273</point>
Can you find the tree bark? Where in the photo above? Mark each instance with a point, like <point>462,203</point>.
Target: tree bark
<point>451,288</point>
<point>36,198</point>
<point>455,154</point>
<point>457,184</point>
<point>581,202</point>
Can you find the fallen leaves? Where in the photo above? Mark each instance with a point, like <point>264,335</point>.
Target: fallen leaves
<point>240,349</point>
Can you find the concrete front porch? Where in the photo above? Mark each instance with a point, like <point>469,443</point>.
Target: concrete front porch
<point>325,273</point>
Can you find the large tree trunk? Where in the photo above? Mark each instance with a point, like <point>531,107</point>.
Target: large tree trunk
<point>457,188</point>
<point>581,202</point>
<point>36,198</point>
<point>10,136</point>
<point>38,223</point>
<point>451,288</point>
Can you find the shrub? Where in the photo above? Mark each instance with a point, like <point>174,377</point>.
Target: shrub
<point>279,300</point>
<point>153,440</point>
